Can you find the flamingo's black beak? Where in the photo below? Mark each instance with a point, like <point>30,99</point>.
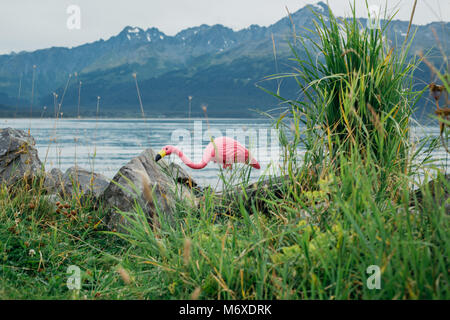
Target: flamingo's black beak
<point>160,155</point>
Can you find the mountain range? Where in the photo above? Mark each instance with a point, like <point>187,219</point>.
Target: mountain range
<point>215,65</point>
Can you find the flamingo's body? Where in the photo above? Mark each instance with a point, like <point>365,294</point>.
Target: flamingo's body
<point>223,150</point>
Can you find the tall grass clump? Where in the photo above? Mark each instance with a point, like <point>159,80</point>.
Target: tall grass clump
<point>356,90</point>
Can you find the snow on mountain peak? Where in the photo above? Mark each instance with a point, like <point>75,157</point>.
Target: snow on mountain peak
<point>134,30</point>
<point>318,7</point>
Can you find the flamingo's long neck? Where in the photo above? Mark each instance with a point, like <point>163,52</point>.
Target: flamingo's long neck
<point>188,161</point>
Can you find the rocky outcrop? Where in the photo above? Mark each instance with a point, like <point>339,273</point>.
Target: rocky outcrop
<point>83,183</point>
<point>156,187</point>
<point>75,182</point>
<point>180,176</point>
<point>18,156</point>
<point>141,181</point>
<point>255,194</point>
<point>53,181</point>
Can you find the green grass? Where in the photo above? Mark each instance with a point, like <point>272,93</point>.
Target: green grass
<point>349,205</point>
<point>307,245</point>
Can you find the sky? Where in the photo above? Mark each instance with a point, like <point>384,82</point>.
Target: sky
<point>37,24</point>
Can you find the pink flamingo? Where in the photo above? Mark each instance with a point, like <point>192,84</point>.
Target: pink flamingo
<point>228,151</point>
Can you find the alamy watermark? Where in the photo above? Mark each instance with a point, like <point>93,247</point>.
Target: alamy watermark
<point>74,20</point>
<point>374,281</point>
<point>74,279</point>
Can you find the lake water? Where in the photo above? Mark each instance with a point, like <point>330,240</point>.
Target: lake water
<point>106,145</point>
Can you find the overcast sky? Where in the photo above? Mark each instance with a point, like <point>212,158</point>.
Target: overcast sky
<point>36,24</point>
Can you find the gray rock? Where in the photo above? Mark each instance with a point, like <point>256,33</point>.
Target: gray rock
<point>141,181</point>
<point>53,181</point>
<point>81,183</point>
<point>254,195</point>
<point>18,156</point>
<point>275,185</point>
<point>179,175</point>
